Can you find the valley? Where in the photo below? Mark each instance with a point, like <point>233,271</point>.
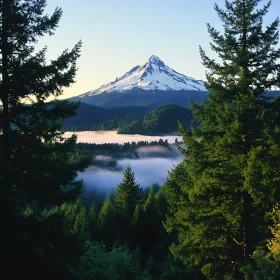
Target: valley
<point>131,119</point>
<point>111,153</point>
<point>149,99</point>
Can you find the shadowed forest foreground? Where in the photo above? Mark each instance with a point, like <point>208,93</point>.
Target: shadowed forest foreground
<point>216,216</point>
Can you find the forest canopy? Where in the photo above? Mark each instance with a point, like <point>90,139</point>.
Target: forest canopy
<point>216,216</point>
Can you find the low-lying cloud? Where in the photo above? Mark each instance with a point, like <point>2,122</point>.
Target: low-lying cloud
<point>103,158</point>
<point>151,166</point>
<point>147,171</point>
<point>157,151</point>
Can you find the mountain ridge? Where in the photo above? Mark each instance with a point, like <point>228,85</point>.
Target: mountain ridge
<point>153,74</point>
<point>150,83</point>
<point>139,97</point>
<point>130,119</point>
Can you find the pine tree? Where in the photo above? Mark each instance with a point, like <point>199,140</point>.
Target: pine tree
<point>219,196</point>
<point>107,222</point>
<point>35,160</point>
<point>127,194</point>
<point>118,263</point>
<point>92,221</point>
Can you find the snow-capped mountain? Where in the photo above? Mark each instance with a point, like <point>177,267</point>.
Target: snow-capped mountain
<point>153,74</point>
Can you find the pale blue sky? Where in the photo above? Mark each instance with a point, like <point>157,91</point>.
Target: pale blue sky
<point>119,34</point>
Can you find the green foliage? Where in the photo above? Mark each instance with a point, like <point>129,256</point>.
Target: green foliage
<point>49,243</point>
<point>90,117</point>
<point>127,195</point>
<point>265,263</point>
<point>117,264</point>
<point>107,222</point>
<point>130,120</point>
<point>92,221</point>
<point>56,238</point>
<point>262,266</point>
<point>46,170</point>
<point>173,269</point>
<point>74,219</point>
<point>131,126</point>
<point>229,179</point>
<point>106,212</point>
<point>274,243</point>
<point>36,162</point>
<point>163,119</point>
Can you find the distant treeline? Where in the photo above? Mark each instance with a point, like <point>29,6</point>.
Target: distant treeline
<point>163,119</point>
<point>128,149</point>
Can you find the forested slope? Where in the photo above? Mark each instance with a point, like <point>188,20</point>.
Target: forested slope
<point>130,120</point>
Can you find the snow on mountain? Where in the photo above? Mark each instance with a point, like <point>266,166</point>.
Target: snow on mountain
<point>153,74</point>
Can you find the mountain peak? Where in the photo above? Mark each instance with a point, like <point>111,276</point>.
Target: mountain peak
<point>153,60</point>
<point>153,74</point>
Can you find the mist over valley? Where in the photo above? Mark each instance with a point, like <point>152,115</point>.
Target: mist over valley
<point>147,171</point>
<point>150,164</point>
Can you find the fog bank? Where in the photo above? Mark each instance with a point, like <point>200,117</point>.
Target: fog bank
<point>147,171</point>
<point>151,166</point>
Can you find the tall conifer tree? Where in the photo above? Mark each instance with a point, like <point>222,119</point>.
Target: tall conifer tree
<point>127,194</point>
<point>35,160</point>
<point>229,179</point>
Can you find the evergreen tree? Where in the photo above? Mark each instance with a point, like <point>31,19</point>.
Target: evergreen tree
<point>127,195</point>
<point>153,222</point>
<point>107,222</point>
<point>231,166</point>
<point>35,160</point>
<point>274,243</point>
<point>265,262</point>
<point>137,229</point>
<point>97,263</point>
<point>92,221</point>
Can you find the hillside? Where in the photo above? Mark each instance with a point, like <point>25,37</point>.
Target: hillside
<point>130,119</point>
<point>140,97</point>
<point>90,117</point>
<point>163,119</point>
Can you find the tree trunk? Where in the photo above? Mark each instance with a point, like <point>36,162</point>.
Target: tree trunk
<point>248,227</point>
<point>5,96</point>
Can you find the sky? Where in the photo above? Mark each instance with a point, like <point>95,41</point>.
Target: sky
<point>120,34</point>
